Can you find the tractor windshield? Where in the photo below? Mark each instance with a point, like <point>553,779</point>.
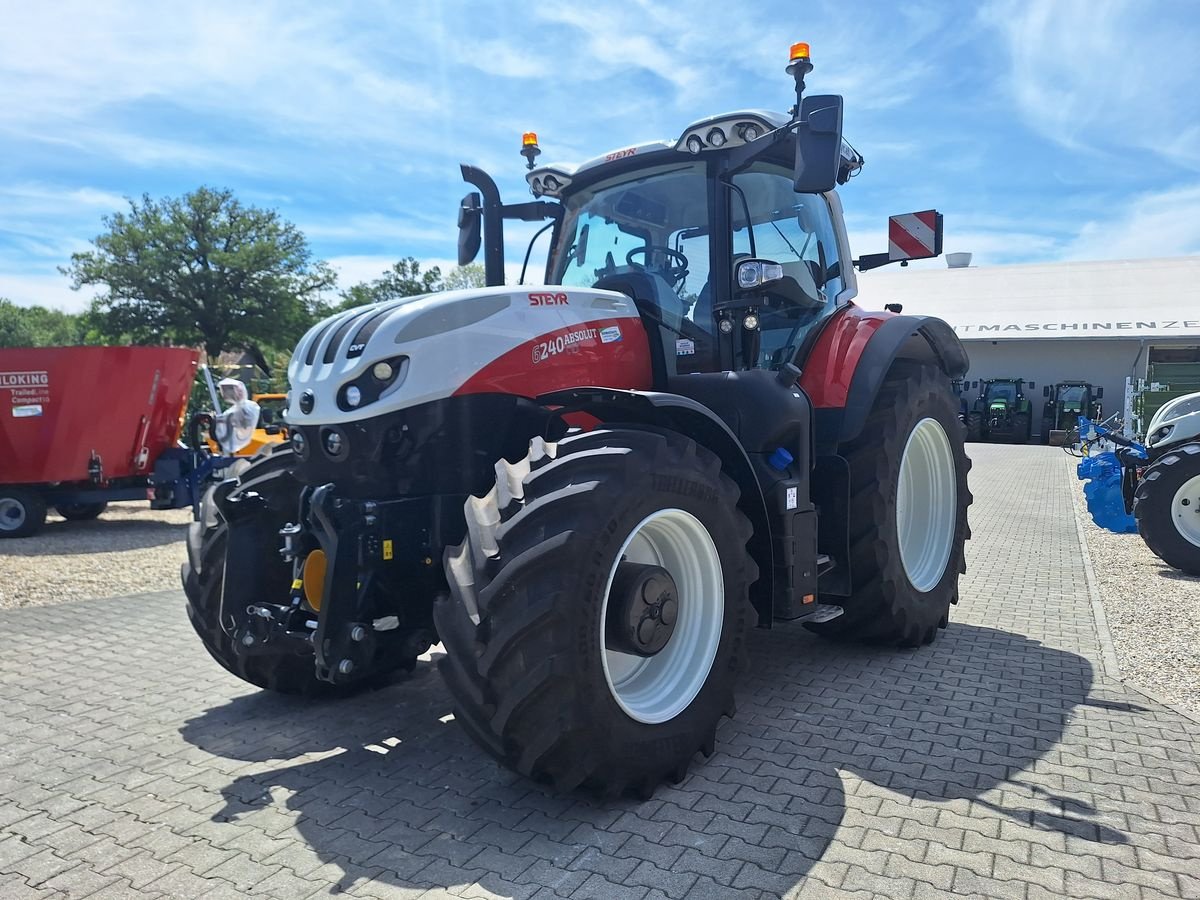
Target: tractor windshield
<point>650,226</point>
<point>1002,391</point>
<point>1072,397</point>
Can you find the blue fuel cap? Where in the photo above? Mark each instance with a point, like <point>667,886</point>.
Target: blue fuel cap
<point>780,459</point>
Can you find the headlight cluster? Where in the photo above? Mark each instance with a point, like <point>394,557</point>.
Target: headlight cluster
<point>368,387</point>
<point>715,135</point>
<point>548,184</point>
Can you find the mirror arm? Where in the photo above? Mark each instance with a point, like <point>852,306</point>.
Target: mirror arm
<point>875,260</point>
<point>493,224</point>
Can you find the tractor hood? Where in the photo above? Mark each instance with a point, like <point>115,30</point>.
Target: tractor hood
<point>375,359</point>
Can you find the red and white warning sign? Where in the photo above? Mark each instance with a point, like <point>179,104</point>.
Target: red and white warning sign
<point>915,235</point>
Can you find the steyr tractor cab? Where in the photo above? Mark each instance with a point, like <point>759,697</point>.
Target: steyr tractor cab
<point>1001,412</point>
<point>588,490</point>
<point>1064,403</point>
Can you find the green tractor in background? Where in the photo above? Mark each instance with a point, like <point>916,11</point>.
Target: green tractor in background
<point>1065,403</point>
<point>1001,412</point>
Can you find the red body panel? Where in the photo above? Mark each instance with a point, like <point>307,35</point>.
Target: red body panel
<point>830,366</point>
<point>58,405</point>
<point>606,353</point>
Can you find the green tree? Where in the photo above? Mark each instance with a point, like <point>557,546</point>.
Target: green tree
<point>202,269</point>
<point>37,326</point>
<point>471,275</point>
<point>404,279</point>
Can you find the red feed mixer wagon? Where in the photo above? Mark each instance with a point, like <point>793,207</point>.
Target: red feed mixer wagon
<point>84,426</point>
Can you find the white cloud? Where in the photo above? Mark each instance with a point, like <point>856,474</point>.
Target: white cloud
<point>1163,223</point>
<point>1107,75</point>
<point>42,288</point>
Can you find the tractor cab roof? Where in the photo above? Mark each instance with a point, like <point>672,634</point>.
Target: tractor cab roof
<point>712,133</point>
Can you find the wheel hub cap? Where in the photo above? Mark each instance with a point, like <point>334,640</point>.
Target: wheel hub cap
<point>1185,510</point>
<point>926,505</point>
<point>12,515</point>
<point>642,608</point>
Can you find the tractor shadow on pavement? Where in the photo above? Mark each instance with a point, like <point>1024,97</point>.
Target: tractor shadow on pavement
<point>386,787</point>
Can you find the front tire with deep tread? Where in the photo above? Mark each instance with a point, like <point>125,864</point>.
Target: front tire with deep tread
<point>1159,509</point>
<point>885,607</point>
<point>527,671</point>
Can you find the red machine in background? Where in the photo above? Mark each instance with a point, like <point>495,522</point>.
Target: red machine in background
<point>83,426</point>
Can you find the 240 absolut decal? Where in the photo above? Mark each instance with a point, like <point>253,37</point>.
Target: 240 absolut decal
<point>1158,325</point>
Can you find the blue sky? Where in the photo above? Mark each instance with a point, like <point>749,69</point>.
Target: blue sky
<point>1044,130</point>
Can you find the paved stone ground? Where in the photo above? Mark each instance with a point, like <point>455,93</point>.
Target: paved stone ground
<point>1000,762</point>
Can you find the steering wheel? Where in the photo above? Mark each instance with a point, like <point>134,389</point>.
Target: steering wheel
<point>675,273</point>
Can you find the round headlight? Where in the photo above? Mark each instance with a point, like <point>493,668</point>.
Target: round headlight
<point>694,144</point>
<point>750,322</point>
<point>333,443</point>
<point>726,326</point>
<point>382,371</point>
<point>749,275</point>
<point>353,395</point>
<point>298,441</point>
<point>716,137</point>
<point>307,401</point>
<point>750,132</point>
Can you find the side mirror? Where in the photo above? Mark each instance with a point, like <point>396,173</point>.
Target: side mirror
<point>1045,390</point>
<point>1031,385</point>
<point>974,385</point>
<point>915,235</point>
<point>1099,393</point>
<point>818,143</point>
<point>470,224</point>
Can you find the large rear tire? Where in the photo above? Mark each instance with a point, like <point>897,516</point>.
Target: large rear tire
<point>543,579</point>
<point>908,513</point>
<point>22,512</point>
<point>1166,507</point>
<point>282,671</point>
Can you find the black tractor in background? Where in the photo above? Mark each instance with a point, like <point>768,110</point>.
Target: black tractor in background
<point>1001,412</point>
<point>1065,403</point>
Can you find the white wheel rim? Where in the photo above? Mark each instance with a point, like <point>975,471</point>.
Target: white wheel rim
<point>12,514</point>
<point>658,688</point>
<point>926,504</point>
<point>1185,510</point>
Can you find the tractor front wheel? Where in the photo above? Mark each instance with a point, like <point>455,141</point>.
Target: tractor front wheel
<point>974,427</point>
<point>908,513</point>
<point>22,512</point>
<point>1021,428</point>
<point>1166,506</point>
<point>599,609</point>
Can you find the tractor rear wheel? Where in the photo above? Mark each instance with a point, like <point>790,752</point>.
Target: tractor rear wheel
<point>203,574</point>
<point>1166,506</point>
<point>599,610</point>
<point>908,513</point>
<point>80,512</point>
<point>22,512</point>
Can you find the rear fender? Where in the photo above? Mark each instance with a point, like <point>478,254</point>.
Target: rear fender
<point>696,421</point>
<point>850,359</point>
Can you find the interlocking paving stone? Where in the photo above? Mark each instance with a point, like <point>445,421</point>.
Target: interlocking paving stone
<point>1001,761</point>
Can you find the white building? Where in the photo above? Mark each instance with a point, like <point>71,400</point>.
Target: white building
<point>1088,321</point>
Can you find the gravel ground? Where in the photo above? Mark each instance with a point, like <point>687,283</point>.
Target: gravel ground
<point>1153,612</point>
<point>128,550</point>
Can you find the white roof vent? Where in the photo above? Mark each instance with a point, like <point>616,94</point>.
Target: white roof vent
<point>958,260</point>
